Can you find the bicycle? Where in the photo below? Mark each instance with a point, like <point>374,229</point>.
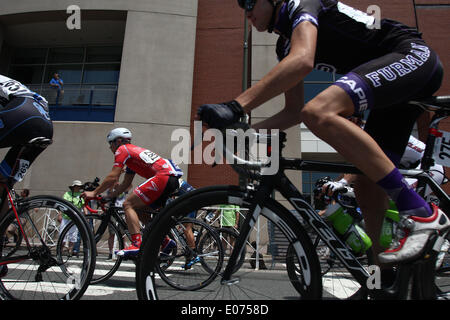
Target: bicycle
<point>176,266</point>
<point>36,264</point>
<point>414,279</point>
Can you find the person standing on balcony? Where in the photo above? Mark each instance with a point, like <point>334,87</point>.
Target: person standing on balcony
<point>57,83</point>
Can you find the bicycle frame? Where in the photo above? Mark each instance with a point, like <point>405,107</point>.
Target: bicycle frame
<point>281,183</point>
<point>5,260</point>
<point>106,218</point>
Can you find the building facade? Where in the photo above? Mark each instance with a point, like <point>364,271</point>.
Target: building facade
<point>148,64</point>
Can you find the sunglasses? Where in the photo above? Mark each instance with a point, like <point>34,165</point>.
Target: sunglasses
<point>247,5</point>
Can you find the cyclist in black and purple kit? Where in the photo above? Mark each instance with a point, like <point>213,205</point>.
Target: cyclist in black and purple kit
<point>384,67</point>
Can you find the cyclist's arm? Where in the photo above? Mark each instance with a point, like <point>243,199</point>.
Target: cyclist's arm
<point>107,183</point>
<point>288,73</point>
<point>290,115</point>
<point>124,186</point>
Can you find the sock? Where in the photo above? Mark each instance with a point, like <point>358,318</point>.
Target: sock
<point>407,200</point>
<point>136,239</point>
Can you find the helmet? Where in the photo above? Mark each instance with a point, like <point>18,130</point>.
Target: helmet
<point>320,182</point>
<point>247,4</point>
<point>118,133</point>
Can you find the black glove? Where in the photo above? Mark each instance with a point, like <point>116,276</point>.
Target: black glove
<point>220,115</point>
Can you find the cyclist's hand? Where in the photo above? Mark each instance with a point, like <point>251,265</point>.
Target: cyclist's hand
<point>220,115</point>
<point>88,195</point>
<point>330,188</point>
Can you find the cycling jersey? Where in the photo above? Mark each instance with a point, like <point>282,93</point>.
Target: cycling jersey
<point>346,38</point>
<point>10,88</point>
<point>144,162</point>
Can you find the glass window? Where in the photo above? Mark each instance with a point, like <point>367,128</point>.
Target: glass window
<point>312,90</point>
<point>103,54</point>
<point>66,55</point>
<point>29,56</point>
<point>90,76</point>
<point>318,75</point>
<point>27,74</point>
<point>69,73</point>
<point>101,73</point>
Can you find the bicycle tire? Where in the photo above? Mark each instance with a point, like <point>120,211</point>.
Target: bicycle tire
<point>105,267</point>
<point>253,284</point>
<point>226,235</point>
<point>183,271</point>
<point>49,272</point>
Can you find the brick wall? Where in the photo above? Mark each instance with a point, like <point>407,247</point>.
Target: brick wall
<point>218,70</point>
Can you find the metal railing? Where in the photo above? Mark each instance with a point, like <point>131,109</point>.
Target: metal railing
<point>76,95</point>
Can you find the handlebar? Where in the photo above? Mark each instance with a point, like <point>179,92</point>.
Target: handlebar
<point>241,148</point>
<point>101,201</point>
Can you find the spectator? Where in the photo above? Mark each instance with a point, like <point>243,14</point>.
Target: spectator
<point>73,196</point>
<point>58,84</point>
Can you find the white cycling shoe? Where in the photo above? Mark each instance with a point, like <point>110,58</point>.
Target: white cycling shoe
<point>412,235</point>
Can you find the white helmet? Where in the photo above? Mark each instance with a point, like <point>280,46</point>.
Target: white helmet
<point>118,133</point>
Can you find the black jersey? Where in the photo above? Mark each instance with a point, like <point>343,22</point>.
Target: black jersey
<point>347,37</point>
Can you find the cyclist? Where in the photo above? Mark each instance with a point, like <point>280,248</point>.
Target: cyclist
<point>383,67</point>
<point>162,180</point>
<point>24,116</point>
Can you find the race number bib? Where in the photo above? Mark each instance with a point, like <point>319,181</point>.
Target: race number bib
<point>441,152</point>
<point>22,170</point>
<point>149,157</point>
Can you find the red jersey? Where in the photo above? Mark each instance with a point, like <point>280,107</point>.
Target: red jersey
<point>144,162</point>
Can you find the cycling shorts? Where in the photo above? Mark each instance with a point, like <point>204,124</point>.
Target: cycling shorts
<point>21,120</point>
<point>385,85</point>
<point>156,190</point>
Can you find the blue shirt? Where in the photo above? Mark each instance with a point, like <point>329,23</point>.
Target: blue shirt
<point>57,82</point>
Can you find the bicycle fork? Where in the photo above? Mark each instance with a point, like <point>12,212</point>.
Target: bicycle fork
<point>254,212</point>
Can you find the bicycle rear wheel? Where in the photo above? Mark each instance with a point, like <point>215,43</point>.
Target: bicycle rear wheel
<point>53,265</point>
<point>186,268</point>
<point>111,240</point>
<point>250,284</point>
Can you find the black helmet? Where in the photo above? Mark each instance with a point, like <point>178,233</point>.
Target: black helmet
<point>247,5</point>
<point>320,182</point>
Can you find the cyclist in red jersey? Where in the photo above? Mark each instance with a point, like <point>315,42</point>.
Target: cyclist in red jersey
<point>162,180</point>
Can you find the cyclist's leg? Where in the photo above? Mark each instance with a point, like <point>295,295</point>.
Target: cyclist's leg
<point>154,191</point>
<point>22,122</point>
<point>375,85</point>
<point>392,135</point>
<point>190,239</point>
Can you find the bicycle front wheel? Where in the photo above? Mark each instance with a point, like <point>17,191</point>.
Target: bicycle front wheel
<point>275,236</point>
<point>106,243</point>
<point>55,258</point>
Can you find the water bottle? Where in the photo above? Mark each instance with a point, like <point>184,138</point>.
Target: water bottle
<point>354,236</point>
<point>390,216</point>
